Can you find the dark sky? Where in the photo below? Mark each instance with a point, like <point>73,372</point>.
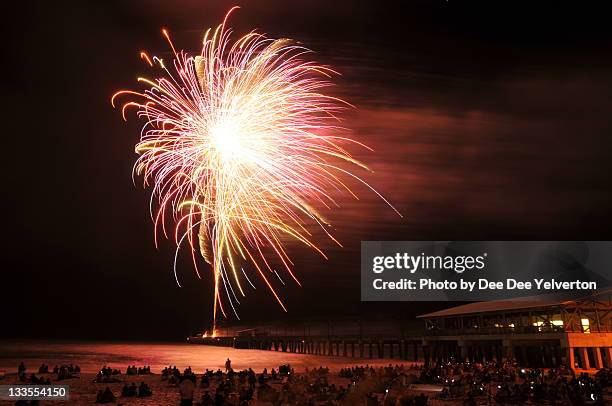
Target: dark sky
<point>489,122</point>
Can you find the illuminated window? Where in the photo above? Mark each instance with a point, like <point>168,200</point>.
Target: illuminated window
<point>585,325</point>
<point>558,323</point>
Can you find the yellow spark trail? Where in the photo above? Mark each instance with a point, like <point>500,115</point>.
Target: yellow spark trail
<point>239,145</point>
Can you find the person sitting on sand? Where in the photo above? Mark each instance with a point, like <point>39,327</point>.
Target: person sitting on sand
<point>252,379</point>
<point>64,374</point>
<point>105,396</point>
<point>207,400</point>
<point>219,398</point>
<point>186,389</point>
<point>21,368</point>
<point>246,394</point>
<point>173,380</point>
<point>144,390</point>
<point>129,391</point>
<point>101,378</point>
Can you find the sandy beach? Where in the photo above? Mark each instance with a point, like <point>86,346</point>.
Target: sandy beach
<point>92,356</point>
<point>83,390</point>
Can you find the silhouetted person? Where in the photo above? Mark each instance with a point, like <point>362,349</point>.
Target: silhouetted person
<point>219,398</point>
<point>207,400</point>
<point>105,396</point>
<point>144,390</point>
<point>186,389</point>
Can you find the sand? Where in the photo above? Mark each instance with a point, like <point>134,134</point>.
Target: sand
<point>92,356</point>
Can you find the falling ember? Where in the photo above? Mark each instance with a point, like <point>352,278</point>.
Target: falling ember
<point>238,146</point>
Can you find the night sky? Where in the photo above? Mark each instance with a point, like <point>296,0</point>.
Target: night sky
<point>488,122</point>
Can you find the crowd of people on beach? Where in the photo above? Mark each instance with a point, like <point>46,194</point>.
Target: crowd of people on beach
<point>508,384</point>
<point>107,375</point>
<point>128,391</point>
<point>458,382</point>
<point>280,386</point>
<point>61,371</point>
<point>133,370</point>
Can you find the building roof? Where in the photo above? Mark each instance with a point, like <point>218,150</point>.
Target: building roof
<point>531,302</point>
<point>493,306</point>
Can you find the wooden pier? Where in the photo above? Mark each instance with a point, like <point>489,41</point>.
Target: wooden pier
<point>410,349</point>
<point>353,340</point>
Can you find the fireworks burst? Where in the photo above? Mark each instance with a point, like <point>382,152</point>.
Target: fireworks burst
<point>241,146</point>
